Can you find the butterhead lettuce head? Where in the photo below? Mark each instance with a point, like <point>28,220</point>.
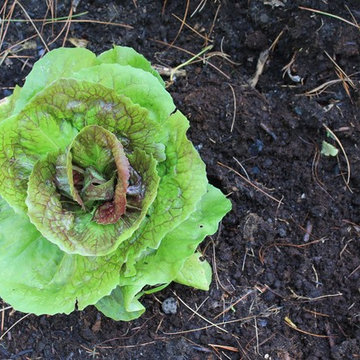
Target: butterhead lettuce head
<point>103,197</point>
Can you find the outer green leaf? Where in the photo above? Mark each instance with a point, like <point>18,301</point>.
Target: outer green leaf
<point>183,183</point>
<point>83,103</point>
<point>76,232</point>
<point>7,104</point>
<point>165,264</point>
<point>5,108</point>
<point>113,307</point>
<point>123,55</point>
<point>37,277</point>
<point>140,86</point>
<point>57,64</point>
<point>195,273</point>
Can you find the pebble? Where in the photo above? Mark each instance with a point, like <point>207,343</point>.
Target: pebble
<point>255,171</point>
<point>264,18</point>
<point>256,147</point>
<point>298,110</point>
<point>169,306</point>
<point>262,322</point>
<point>7,92</point>
<point>282,232</point>
<point>41,52</point>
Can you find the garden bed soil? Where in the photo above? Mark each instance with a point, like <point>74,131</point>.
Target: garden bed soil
<point>286,258</point>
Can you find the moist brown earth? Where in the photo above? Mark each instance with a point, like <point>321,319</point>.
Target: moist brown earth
<point>286,259</point>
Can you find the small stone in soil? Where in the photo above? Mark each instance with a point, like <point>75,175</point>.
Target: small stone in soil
<point>256,147</point>
<point>169,306</point>
<point>262,322</point>
<point>282,232</point>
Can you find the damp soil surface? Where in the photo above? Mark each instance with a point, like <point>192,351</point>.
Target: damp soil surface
<point>286,259</point>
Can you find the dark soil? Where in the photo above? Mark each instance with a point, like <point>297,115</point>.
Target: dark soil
<point>276,264</point>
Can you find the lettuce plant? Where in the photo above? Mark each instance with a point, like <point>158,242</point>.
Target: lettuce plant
<point>103,197</point>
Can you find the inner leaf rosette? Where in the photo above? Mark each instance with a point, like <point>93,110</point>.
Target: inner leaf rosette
<point>90,199</point>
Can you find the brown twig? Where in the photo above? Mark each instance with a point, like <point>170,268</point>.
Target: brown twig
<point>314,167</point>
<point>247,318</point>
<point>9,49</point>
<point>330,15</point>
<point>192,29</point>
<point>34,26</point>
<point>337,66</point>
<point>13,325</point>
<point>7,17</point>
<point>293,326</point>
<point>199,315</point>
<point>300,297</point>
<point>214,20</point>
<point>250,183</point>
<point>214,266</point>
<point>92,21</point>
<point>199,8</point>
<point>68,26</point>
<point>316,313</point>
<point>224,347</point>
<point>321,88</point>
<point>250,292</point>
<point>235,108</point>
<point>354,271</point>
<point>199,307</point>
<point>191,53</point>
<point>163,7</point>
<point>182,21</point>
<point>263,249</point>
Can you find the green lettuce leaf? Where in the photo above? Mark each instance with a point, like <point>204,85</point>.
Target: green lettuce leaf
<point>182,185</point>
<point>37,277</point>
<point>195,273</point>
<point>57,64</point>
<point>7,104</point>
<point>112,306</point>
<point>141,86</point>
<point>124,55</point>
<point>173,260</point>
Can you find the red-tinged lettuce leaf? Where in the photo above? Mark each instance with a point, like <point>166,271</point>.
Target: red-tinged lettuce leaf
<point>95,147</point>
<point>53,118</point>
<point>102,190</point>
<point>76,231</point>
